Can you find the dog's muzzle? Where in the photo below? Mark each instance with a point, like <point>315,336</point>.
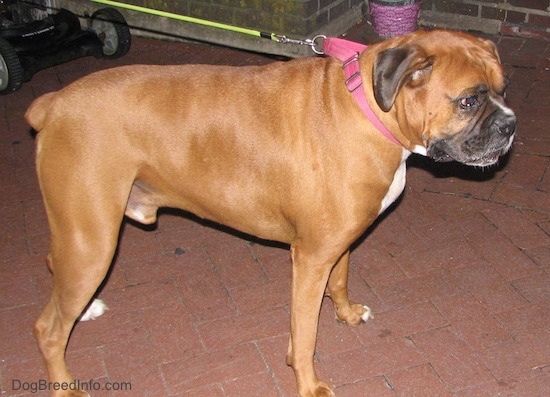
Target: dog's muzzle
<point>480,147</point>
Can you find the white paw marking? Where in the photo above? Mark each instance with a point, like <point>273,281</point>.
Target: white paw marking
<point>367,314</point>
<point>96,309</point>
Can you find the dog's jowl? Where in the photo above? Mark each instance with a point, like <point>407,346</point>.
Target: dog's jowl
<point>312,168</point>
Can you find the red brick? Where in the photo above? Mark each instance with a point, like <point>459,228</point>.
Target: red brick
<point>17,292</point>
<point>248,327</point>
<point>32,267</point>
<point>404,293</point>
<point>376,386</point>
<point>163,266</point>
<point>384,236</point>
<point>273,351</point>
<point>171,235</point>
<point>376,266</point>
<point>455,363</point>
<point>87,364</point>
<point>233,363</point>
<point>417,381</point>
<point>36,221</point>
<point>533,4</point>
<point>521,197</point>
<point>21,370</point>
<point>236,265</point>
<point>493,13</point>
<point>136,244</point>
<point>204,296</point>
<point>171,334</point>
<point>539,21</point>
<point>521,355</point>
<point>376,359</point>
<point>139,367</point>
<point>256,384</point>
<point>334,337</point>
<point>541,256</point>
<point>400,323</point>
<point>18,342</point>
<point>516,17</point>
<point>440,257</point>
<point>488,287</point>
<point>442,232</point>
<point>142,296</point>
<point>12,239</point>
<point>360,291</point>
<point>38,244</point>
<point>214,390</point>
<point>534,383</point>
<point>464,187</point>
<point>416,209</point>
<point>527,318</point>
<point>507,259</point>
<point>512,223</point>
<point>533,125</point>
<point>534,288</point>
<point>463,211</point>
<point>471,322</point>
<point>262,296</point>
<point>111,328</point>
<point>525,170</point>
<point>267,252</point>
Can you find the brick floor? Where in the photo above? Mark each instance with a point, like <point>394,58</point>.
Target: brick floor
<point>457,273</point>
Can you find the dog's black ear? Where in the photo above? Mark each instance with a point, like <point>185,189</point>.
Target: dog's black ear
<point>396,66</point>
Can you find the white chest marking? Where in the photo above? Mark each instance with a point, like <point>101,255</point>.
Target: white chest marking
<point>398,183</point>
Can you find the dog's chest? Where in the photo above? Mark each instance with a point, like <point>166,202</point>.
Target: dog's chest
<point>398,183</point>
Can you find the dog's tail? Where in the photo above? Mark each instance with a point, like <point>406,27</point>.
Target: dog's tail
<point>37,112</point>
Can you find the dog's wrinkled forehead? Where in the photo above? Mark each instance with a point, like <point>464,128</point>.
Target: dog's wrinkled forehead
<point>470,64</point>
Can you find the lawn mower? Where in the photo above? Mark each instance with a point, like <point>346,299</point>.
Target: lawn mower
<point>31,41</point>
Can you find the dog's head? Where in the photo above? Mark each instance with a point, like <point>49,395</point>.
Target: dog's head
<point>447,91</point>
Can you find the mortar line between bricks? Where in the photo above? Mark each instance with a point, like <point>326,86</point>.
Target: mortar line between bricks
<point>251,251</point>
<point>269,370</point>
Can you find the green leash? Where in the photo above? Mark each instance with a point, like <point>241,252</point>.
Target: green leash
<point>265,35</point>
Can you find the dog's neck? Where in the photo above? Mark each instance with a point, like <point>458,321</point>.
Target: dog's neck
<point>348,52</point>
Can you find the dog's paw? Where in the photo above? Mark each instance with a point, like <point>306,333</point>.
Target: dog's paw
<point>320,390</point>
<point>354,315</point>
<point>96,309</point>
<point>323,390</point>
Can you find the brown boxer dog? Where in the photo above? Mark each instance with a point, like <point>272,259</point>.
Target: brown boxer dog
<point>282,152</point>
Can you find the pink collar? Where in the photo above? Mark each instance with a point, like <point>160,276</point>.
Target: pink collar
<point>348,52</point>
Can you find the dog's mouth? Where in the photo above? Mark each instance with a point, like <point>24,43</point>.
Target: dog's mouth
<point>486,160</point>
<point>441,151</point>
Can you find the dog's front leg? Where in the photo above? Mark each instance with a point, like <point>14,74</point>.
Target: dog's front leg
<point>309,279</point>
<point>337,290</point>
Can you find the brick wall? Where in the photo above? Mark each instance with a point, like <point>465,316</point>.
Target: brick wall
<point>289,17</point>
<point>511,17</point>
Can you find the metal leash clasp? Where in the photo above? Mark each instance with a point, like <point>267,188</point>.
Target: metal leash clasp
<point>315,43</point>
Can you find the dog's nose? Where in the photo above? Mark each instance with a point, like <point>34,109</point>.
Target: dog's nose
<point>506,125</point>
<point>502,123</point>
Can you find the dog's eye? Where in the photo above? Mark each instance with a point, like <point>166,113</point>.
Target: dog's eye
<point>469,102</point>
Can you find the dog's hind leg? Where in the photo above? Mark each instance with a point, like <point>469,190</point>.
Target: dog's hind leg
<point>84,218</point>
<point>337,290</point>
<point>78,269</point>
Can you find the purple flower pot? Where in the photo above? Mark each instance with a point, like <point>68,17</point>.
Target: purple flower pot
<point>394,20</point>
